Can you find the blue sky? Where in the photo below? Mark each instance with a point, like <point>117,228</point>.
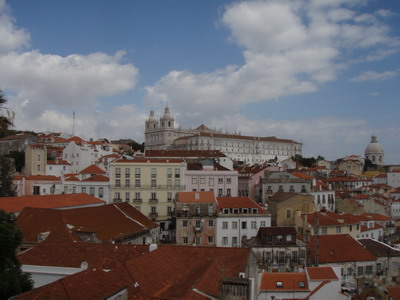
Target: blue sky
<point>322,72</point>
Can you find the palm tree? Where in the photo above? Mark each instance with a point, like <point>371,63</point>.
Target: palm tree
<point>6,116</point>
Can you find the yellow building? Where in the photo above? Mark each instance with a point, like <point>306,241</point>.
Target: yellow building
<point>35,160</point>
<point>150,185</point>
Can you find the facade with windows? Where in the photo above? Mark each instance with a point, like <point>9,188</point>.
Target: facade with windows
<point>239,219</point>
<point>96,185</point>
<point>209,176</point>
<point>196,218</point>
<point>35,160</point>
<point>150,185</point>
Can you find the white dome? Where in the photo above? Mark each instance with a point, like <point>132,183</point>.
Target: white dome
<point>374,147</point>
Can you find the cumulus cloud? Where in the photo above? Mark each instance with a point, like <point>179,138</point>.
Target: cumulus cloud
<point>45,86</point>
<point>375,76</point>
<point>11,37</point>
<point>289,48</point>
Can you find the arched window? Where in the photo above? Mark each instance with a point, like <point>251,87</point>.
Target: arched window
<point>169,123</point>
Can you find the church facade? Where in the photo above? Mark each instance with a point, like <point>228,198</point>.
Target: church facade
<point>161,134</point>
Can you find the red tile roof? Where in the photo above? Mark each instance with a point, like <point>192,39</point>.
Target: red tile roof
<point>16,204</point>
<point>394,292</point>
<point>72,178</point>
<point>302,175</point>
<point>239,202</point>
<point>38,177</point>
<point>329,218</point>
<point>93,169</point>
<point>123,221</point>
<point>97,256</point>
<point>184,153</point>
<point>99,178</point>
<point>150,160</point>
<point>321,273</point>
<point>339,248</point>
<point>196,197</point>
<point>289,281</point>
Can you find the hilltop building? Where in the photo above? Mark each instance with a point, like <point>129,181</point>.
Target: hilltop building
<point>374,152</point>
<point>162,134</point>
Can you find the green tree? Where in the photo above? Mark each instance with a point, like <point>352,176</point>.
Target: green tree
<point>12,280</point>
<point>7,189</point>
<point>6,116</point>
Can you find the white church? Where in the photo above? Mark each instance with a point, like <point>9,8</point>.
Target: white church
<point>161,134</point>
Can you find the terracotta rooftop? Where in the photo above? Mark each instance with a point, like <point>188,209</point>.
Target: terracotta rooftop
<point>98,256</point>
<point>184,153</point>
<point>38,177</point>
<point>321,273</point>
<point>339,248</point>
<point>169,272</point>
<point>329,218</point>
<point>16,204</point>
<point>199,167</point>
<point>97,178</point>
<point>239,202</point>
<point>123,221</point>
<point>93,169</point>
<point>302,175</point>
<point>379,249</point>
<point>196,197</point>
<point>394,292</point>
<point>284,282</point>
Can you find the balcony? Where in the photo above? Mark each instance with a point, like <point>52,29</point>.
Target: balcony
<point>153,215</point>
<point>151,200</point>
<point>137,200</point>
<point>116,200</point>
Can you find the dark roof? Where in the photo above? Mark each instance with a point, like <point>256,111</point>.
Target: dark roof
<point>379,249</point>
<point>184,153</point>
<point>276,231</point>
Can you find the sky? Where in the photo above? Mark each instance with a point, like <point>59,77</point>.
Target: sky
<point>321,72</point>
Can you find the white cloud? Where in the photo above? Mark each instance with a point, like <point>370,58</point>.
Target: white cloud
<point>11,37</point>
<point>375,76</point>
<point>289,47</point>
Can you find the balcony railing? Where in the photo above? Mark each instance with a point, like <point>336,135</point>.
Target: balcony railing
<point>150,187</point>
<point>117,200</point>
<point>153,215</point>
<point>137,200</point>
<point>152,200</point>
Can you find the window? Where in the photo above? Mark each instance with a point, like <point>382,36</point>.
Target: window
<point>92,191</point>
<point>301,284</point>
<point>368,270</point>
<point>117,172</point>
<point>74,189</point>
<point>36,190</point>
<point>210,210</point>
<point>228,180</point>
<point>288,238</point>
<point>153,196</point>
<point>153,183</point>
<point>127,196</point>
<point>117,196</point>
<point>280,188</point>
<point>262,224</point>
<point>169,210</point>
<point>234,225</point>
<point>83,189</point>
<point>137,172</point>
<point>338,229</point>
<point>228,192</point>
<point>202,180</point>
<point>220,180</point>
<point>127,183</point>
<point>210,223</point>
<point>184,223</point>
<point>198,224</point>
<point>279,284</point>
<point>101,192</point>
<point>194,180</point>
<point>225,240</point>
<point>169,196</point>
<point>177,173</point>
<point>117,183</point>
<point>349,271</point>
<point>137,196</point>
<point>198,240</point>
<point>127,172</point>
<point>225,225</point>
<point>360,271</point>
<point>234,241</point>
<point>153,210</point>
<point>39,157</point>
<point>169,183</point>
<point>211,182</point>
<point>244,225</point>
<point>177,183</point>
<point>38,168</point>
<point>324,230</point>
<point>279,238</point>
<point>220,192</point>
<point>253,225</point>
<point>288,213</point>
<point>210,239</point>
<point>185,240</point>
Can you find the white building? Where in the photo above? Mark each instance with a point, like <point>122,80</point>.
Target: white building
<point>162,134</point>
<point>239,218</point>
<point>374,152</point>
<point>58,167</point>
<point>393,179</point>
<point>84,154</point>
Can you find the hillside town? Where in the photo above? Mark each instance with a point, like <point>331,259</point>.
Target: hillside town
<point>201,214</point>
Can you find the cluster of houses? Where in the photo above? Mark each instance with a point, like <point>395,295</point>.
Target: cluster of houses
<point>179,223</point>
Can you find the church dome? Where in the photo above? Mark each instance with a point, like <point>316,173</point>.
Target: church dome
<point>374,151</point>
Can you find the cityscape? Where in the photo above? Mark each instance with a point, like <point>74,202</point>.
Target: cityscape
<point>199,150</point>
